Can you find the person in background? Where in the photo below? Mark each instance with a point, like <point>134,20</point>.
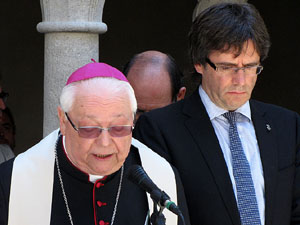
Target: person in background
<point>6,152</point>
<point>239,159</point>
<point>156,80</point>
<point>3,98</point>
<point>78,174</point>
<point>7,129</point>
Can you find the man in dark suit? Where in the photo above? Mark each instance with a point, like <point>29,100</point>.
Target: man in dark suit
<point>238,158</point>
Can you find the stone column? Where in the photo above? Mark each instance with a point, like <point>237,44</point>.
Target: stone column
<point>203,4</point>
<point>72,29</point>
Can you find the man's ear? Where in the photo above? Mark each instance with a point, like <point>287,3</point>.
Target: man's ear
<point>62,120</point>
<point>181,94</point>
<point>199,68</point>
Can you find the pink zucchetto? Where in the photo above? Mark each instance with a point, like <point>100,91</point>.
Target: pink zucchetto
<point>95,69</point>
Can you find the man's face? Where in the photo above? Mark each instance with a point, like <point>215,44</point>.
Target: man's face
<point>106,154</point>
<point>229,91</point>
<point>152,87</point>
<point>6,131</point>
<point>2,104</point>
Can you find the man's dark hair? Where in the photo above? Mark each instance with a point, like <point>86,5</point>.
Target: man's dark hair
<point>224,26</point>
<point>172,69</point>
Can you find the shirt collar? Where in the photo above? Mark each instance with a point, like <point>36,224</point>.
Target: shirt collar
<point>214,111</point>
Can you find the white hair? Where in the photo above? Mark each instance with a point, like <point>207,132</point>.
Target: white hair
<point>97,86</point>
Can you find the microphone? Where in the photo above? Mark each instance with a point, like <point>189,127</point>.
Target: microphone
<point>137,175</point>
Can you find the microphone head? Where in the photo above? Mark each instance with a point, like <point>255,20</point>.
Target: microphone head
<point>137,175</point>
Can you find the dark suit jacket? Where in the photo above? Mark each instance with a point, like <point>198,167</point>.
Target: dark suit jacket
<point>184,135</point>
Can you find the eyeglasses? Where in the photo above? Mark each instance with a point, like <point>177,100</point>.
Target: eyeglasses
<point>95,131</point>
<point>4,96</point>
<point>228,70</point>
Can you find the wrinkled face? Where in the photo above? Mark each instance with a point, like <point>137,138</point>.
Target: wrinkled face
<point>106,154</point>
<point>152,87</point>
<point>229,91</point>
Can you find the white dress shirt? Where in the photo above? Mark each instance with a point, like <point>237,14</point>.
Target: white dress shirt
<point>249,142</point>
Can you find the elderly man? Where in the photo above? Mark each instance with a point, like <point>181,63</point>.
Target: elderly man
<point>77,175</point>
<point>239,159</point>
<point>156,80</point>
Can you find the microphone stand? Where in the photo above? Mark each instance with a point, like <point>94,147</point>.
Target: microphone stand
<point>157,217</point>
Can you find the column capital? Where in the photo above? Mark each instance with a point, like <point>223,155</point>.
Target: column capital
<point>72,16</point>
<point>88,27</point>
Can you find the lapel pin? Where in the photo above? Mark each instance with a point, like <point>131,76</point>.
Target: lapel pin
<point>268,127</point>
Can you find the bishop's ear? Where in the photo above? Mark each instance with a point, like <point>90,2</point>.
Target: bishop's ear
<point>62,120</point>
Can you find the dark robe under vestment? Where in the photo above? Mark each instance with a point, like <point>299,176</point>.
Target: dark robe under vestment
<point>90,203</point>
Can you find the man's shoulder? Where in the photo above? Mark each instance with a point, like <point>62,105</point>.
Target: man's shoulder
<point>271,109</point>
<point>5,172</point>
<point>174,107</point>
<point>278,116</point>
<point>177,109</point>
<point>6,167</point>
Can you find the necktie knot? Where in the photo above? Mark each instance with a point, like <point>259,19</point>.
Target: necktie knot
<point>230,116</point>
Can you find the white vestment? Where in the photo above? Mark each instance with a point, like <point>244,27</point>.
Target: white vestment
<point>33,174</point>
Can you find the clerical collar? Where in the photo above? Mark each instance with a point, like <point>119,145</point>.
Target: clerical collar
<point>92,178</point>
<point>214,111</point>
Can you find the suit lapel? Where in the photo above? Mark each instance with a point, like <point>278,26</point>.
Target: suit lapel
<point>202,131</point>
<point>268,150</point>
<point>203,134</point>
